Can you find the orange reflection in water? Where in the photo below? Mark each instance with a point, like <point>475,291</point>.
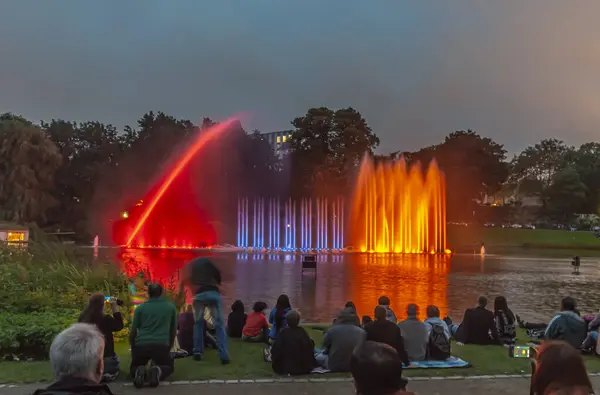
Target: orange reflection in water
<point>405,279</point>
<point>399,209</point>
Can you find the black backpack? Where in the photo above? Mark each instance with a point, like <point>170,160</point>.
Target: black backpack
<point>438,348</point>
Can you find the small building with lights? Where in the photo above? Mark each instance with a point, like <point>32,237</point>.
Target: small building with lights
<point>12,233</point>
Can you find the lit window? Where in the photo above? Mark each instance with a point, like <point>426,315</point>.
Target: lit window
<point>278,139</point>
<point>284,138</point>
<point>15,236</point>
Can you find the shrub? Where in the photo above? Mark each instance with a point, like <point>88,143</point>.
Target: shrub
<point>24,336</point>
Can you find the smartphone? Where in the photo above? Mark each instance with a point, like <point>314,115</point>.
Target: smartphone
<point>107,299</point>
<point>519,352</point>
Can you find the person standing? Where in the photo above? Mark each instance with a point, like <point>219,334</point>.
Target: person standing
<point>152,336</point>
<point>205,278</point>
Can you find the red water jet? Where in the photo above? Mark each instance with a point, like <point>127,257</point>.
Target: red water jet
<point>146,209</point>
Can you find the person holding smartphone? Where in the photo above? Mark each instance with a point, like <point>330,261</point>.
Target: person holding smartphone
<point>107,324</point>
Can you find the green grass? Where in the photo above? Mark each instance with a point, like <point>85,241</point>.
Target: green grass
<point>247,363</point>
<point>472,236</point>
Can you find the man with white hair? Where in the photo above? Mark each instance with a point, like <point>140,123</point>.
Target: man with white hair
<point>77,359</point>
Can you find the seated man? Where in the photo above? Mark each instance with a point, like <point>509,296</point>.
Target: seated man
<point>384,331</point>
<point>339,342</point>
<point>433,319</point>
<point>414,332</point>
<point>152,335</point>
<point>478,326</point>
<point>77,359</point>
<point>567,325</point>
<point>293,351</point>
<point>377,370</point>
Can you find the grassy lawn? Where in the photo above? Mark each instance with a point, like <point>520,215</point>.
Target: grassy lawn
<point>247,363</point>
<point>461,237</point>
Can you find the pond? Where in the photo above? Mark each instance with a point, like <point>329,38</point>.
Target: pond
<point>533,285</point>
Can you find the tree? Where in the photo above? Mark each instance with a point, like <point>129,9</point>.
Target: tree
<point>586,161</point>
<point>473,165</point>
<point>326,149</point>
<point>27,168</point>
<point>565,196</point>
<point>541,161</point>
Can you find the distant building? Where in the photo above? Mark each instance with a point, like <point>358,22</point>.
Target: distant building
<point>280,141</point>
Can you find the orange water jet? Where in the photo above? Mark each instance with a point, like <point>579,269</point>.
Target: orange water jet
<point>202,139</point>
<point>399,209</point>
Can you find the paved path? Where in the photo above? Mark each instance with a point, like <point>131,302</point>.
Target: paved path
<point>431,387</point>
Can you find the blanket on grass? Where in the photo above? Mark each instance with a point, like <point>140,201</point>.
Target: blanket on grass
<point>450,363</point>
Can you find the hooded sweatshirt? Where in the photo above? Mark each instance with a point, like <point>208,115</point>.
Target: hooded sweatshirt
<point>390,315</point>
<point>567,326</point>
<point>341,340</point>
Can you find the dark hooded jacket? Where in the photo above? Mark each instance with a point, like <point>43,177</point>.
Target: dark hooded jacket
<point>567,326</point>
<point>341,340</point>
<point>204,275</point>
<point>75,385</point>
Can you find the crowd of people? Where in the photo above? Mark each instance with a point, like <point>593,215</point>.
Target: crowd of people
<point>374,350</point>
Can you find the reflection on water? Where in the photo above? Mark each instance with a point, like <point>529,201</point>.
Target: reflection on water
<point>533,286</point>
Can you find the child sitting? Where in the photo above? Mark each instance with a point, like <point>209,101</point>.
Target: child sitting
<point>236,319</point>
<point>256,328</point>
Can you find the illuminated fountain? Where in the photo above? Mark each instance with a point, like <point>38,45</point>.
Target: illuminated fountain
<point>399,209</point>
<point>270,225</point>
<point>166,217</point>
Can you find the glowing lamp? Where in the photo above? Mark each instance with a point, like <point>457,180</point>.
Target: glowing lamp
<point>124,215</point>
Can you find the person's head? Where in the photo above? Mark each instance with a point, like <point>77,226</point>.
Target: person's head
<point>412,310</point>
<point>293,318</point>
<point>482,301</point>
<point>350,304</point>
<point>237,306</point>
<point>155,291</point>
<point>384,301</point>
<point>283,302</point>
<point>433,312</point>
<point>500,303</point>
<point>259,307</point>
<point>78,351</point>
<point>559,369</point>
<point>568,304</point>
<point>376,369</point>
<point>94,311</point>
<point>380,313</point>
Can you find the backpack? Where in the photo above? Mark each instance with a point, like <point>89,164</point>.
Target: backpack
<point>438,348</point>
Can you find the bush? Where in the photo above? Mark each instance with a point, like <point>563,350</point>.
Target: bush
<point>28,336</point>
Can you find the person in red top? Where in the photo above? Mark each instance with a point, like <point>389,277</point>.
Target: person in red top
<point>256,329</point>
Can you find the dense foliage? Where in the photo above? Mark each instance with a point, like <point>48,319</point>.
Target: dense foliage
<point>64,175</point>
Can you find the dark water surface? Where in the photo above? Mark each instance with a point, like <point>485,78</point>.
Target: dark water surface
<point>532,285</point>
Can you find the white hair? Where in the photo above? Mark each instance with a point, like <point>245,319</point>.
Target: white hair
<point>77,351</point>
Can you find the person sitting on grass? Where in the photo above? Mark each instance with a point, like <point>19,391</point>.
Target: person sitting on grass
<point>478,326</point>
<point>293,351</point>
<point>559,369</point>
<point>590,343</point>
<point>77,360</point>
<point>339,342</point>
<point>433,319</point>
<point>505,321</point>
<point>415,334</point>
<point>152,336</point>
<point>350,308</point>
<point>256,329</point>
<point>384,302</point>
<point>236,320</point>
<point>567,325</point>
<point>185,329</point>
<point>384,331</point>
<point>277,316</point>
<point>377,370</point>
<point>107,324</point>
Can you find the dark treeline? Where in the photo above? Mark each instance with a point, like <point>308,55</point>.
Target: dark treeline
<point>79,176</point>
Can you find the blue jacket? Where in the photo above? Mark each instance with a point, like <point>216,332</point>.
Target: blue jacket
<point>567,326</point>
<point>274,329</point>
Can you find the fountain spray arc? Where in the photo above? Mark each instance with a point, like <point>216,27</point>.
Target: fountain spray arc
<point>306,225</point>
